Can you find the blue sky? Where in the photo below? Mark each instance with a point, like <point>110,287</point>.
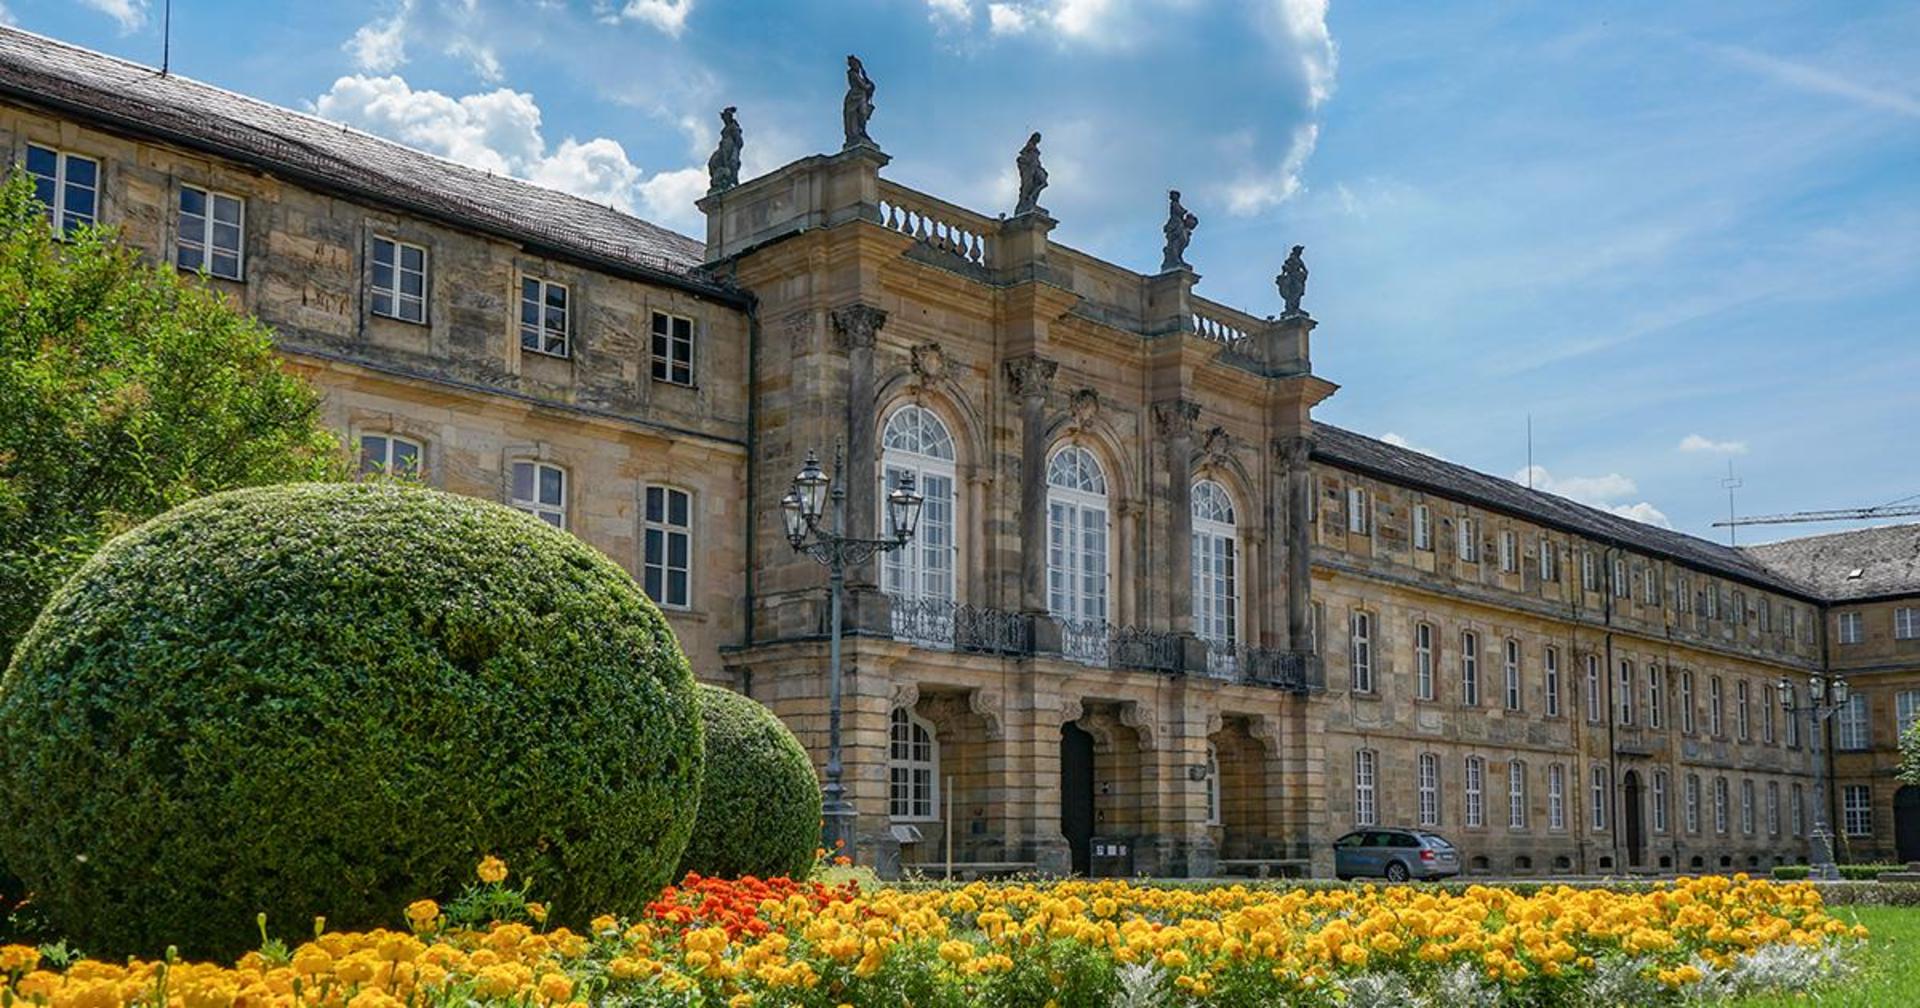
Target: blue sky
<point>1677,235</point>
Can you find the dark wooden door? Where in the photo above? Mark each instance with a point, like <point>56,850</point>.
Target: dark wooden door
<point>1636,826</point>
<point>1076,794</point>
<point>1906,823</point>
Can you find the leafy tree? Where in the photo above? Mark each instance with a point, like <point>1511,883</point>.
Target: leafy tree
<point>1910,754</point>
<point>125,388</point>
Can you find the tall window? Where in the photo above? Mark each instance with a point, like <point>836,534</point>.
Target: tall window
<point>540,489</point>
<point>1469,668</point>
<point>1509,551</point>
<point>1216,576</point>
<point>1622,588</point>
<point>389,455</point>
<point>1549,561</point>
<point>672,349</point>
<point>1851,730</point>
<point>1600,789</point>
<point>1693,803</point>
<point>1746,807</point>
<point>1511,669</point>
<point>1360,651</point>
<point>1856,810</point>
<point>1357,510</point>
<point>1797,809</point>
<point>1589,576</point>
<point>1742,711</point>
<point>543,316</point>
<point>1550,662</point>
<point>1467,543</point>
<point>1906,710</point>
<point>1076,536</point>
<point>1656,703</point>
<point>913,767</point>
<point>1720,805</point>
<point>1364,810</point>
<point>1516,795</point>
<point>1716,708</point>
<point>915,443</point>
<point>1686,701</point>
<point>68,185</point>
<point>1659,801</point>
<point>1773,808</point>
<point>1213,784</point>
<point>1906,623</point>
<point>1650,585</point>
<point>1429,789</point>
<point>399,280</point>
<point>1423,660</point>
<point>1556,796</point>
<point>1793,716</point>
<point>1594,708</point>
<point>1422,527</point>
<point>210,232</point>
<point>1624,695</point>
<point>1767,708</point>
<point>667,533</point>
<point>1476,791</point>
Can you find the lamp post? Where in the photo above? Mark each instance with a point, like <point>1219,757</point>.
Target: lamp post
<point>1824,697</point>
<point>814,533</point>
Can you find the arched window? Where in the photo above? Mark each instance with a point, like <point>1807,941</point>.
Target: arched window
<point>915,442</point>
<point>1077,545</point>
<point>913,768</point>
<point>1216,572</point>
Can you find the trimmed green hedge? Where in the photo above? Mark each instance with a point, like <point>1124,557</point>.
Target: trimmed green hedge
<point>760,801</point>
<point>328,700</point>
<point>1853,872</point>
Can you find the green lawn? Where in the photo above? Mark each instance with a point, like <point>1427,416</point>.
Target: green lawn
<point>1891,977</point>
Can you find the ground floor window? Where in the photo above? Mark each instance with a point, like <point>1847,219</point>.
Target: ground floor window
<point>1856,810</point>
<point>913,765</point>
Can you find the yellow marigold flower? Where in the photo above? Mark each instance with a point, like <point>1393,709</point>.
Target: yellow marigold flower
<point>422,913</point>
<point>18,958</point>
<point>492,870</point>
<point>537,911</point>
<point>375,999</point>
<point>556,987</point>
<point>740,1001</point>
<point>956,951</point>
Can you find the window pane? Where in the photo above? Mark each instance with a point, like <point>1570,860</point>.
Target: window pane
<point>656,508</point>
<point>226,210</point>
<point>677,551</point>
<point>373,453</point>
<point>406,457</point>
<point>552,482</point>
<point>41,161</point>
<point>413,284</point>
<point>557,297</point>
<point>523,481</point>
<point>226,265</point>
<point>652,584</point>
<point>192,201</point>
<point>382,276</point>
<point>382,303</point>
<point>82,171</point>
<point>677,508</point>
<point>190,256</point>
<point>677,587</point>
<point>413,258</point>
<point>383,256</point>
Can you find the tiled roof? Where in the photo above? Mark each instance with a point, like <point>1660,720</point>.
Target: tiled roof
<point>1411,468</point>
<point>140,100</point>
<point>1864,563</point>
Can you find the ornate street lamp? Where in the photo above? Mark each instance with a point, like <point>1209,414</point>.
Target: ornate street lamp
<point>802,512</point>
<point>1825,696</point>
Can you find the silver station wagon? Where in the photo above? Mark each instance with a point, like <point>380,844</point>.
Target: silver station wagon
<point>1395,854</point>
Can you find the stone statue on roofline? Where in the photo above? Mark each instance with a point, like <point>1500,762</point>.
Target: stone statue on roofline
<point>1292,282</point>
<point>723,168</point>
<point>1179,231</point>
<point>858,106</point>
<point>1033,177</point>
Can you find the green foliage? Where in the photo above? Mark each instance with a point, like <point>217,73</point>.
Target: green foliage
<point>1851,872</point>
<point>1910,754</point>
<point>760,802</point>
<point>125,389</point>
<point>320,699</point>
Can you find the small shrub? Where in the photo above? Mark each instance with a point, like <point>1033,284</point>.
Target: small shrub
<point>1850,872</point>
<point>760,801</point>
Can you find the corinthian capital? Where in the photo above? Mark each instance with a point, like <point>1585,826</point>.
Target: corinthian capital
<point>856,325</point>
<point>1175,417</point>
<point>1032,376</point>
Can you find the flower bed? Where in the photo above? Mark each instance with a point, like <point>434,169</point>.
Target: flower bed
<point>1067,944</point>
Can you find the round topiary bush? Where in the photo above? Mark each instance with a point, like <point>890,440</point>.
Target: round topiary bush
<point>760,801</point>
<point>328,700</point>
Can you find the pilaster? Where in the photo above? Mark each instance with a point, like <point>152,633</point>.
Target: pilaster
<point>1031,378</point>
<point>857,327</point>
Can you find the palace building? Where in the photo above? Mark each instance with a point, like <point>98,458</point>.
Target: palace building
<point>1156,617</point>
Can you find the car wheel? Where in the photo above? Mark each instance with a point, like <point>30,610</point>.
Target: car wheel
<point>1397,872</point>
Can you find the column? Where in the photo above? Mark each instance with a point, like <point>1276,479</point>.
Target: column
<point>1173,420</point>
<point>857,326</point>
<point>1032,379</point>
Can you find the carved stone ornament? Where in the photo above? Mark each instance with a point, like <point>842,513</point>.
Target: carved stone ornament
<point>1174,418</point>
<point>1217,448</point>
<point>929,363</point>
<point>1071,709</point>
<point>988,707</point>
<point>1083,407</point>
<point>723,168</point>
<point>906,694</point>
<point>1179,232</point>
<point>1032,376</point>
<point>857,109</point>
<point>1033,177</point>
<point>1137,719</point>
<point>1292,282</point>
<point>857,325</point>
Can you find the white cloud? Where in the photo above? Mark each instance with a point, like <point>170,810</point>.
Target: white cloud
<point>1398,441</point>
<point>670,16</point>
<point>1604,492</point>
<point>132,14</point>
<point>479,56</point>
<point>380,45</point>
<point>667,199</point>
<point>1299,28</point>
<point>6,16</point>
<point>1701,443</point>
<point>947,14</point>
<point>1818,81</point>
<point>1007,19</point>
<point>499,131</point>
<point>1259,190</point>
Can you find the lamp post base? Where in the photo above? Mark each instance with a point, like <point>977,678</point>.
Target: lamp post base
<point>837,819</point>
<point>1820,852</point>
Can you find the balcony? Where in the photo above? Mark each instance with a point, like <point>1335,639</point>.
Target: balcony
<point>945,625</point>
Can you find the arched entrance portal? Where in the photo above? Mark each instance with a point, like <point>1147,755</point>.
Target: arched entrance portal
<point>1076,794</point>
<point>1906,823</point>
<point>1636,828</point>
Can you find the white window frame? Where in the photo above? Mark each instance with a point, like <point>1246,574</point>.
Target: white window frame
<point>1424,677</point>
<point>1622,587</point>
<point>664,531</point>
<point>550,330</point>
<point>1691,805</point>
<point>1589,576</point>
<point>1550,662</point>
<point>913,779</point>
<point>1359,518</point>
<point>671,348</point>
<point>1365,778</point>
<point>60,218</point>
<point>1906,623</point>
<point>552,512</point>
<point>1747,817</point>
<point>1793,716</point>
<point>1688,718</point>
<point>1851,730</point>
<point>915,441</point>
<point>1601,782</point>
<point>1743,711</point>
<point>1556,796</point>
<point>1470,668</point>
<point>1716,707</point>
<point>1722,812</point>
<point>1515,700</point>
<point>1655,702</point>
<point>381,462</point>
<point>1516,794</point>
<point>1906,710</point>
<point>1624,697</point>
<point>1549,561</point>
<point>1422,527</point>
<point>1797,809</point>
<point>1466,541</point>
<point>1596,707</point>
<point>1773,808</point>
<point>1476,799</point>
<point>1856,810</point>
<point>1659,795</point>
<point>1079,546</point>
<point>203,240</point>
<point>1509,551</point>
<point>1360,650</point>
<point>1216,565</point>
<point>1851,627</point>
<point>1428,771</point>
<point>398,301</point>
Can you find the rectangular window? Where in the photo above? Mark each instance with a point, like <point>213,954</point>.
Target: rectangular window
<point>1659,801</point>
<point>1738,611</point>
<point>1357,510</point>
<point>1655,702</point>
<point>672,349</point>
<point>1710,599</point>
<point>1856,810</point>
<point>1716,708</point>
<point>1906,710</point>
<point>1423,660</point>
<point>1766,615</point>
<point>1549,561</point>
<point>389,455</point>
<point>1851,730</point>
<point>1720,811</point>
<point>1429,789</point>
<point>1467,542</point>
<point>1625,693</point>
<point>68,185</point>
<point>1361,652</point>
<point>211,229</point>
<point>1792,618</point>
<point>1693,803</point>
<point>1363,807</point>
<point>1852,628</point>
<point>1622,588</point>
<point>1550,662</point>
<point>1797,809</point>
<point>1516,795</point>
<point>1594,707</point>
<point>1512,670</point>
<point>1682,595</point>
<point>1556,796</point>
<point>1422,527</point>
<point>540,489</point>
<point>1906,623</point>
<point>668,533</point>
<point>399,280</point>
<point>1746,807</point>
<point>1766,716</point>
<point>1476,791</point>
<point>1773,808</point>
<point>1687,717</point>
<point>1589,579</point>
<point>1650,586</point>
<point>1599,775</point>
<point>1470,668</point>
<point>1509,551</point>
<point>543,316</point>
<point>1742,711</point>
<point>1792,713</point>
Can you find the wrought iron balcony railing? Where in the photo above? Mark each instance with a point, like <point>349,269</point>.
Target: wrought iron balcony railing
<point>1235,661</point>
<point>948,625</point>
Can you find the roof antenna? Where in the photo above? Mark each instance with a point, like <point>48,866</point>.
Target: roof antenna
<point>166,37</point>
<point>1732,484</point>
